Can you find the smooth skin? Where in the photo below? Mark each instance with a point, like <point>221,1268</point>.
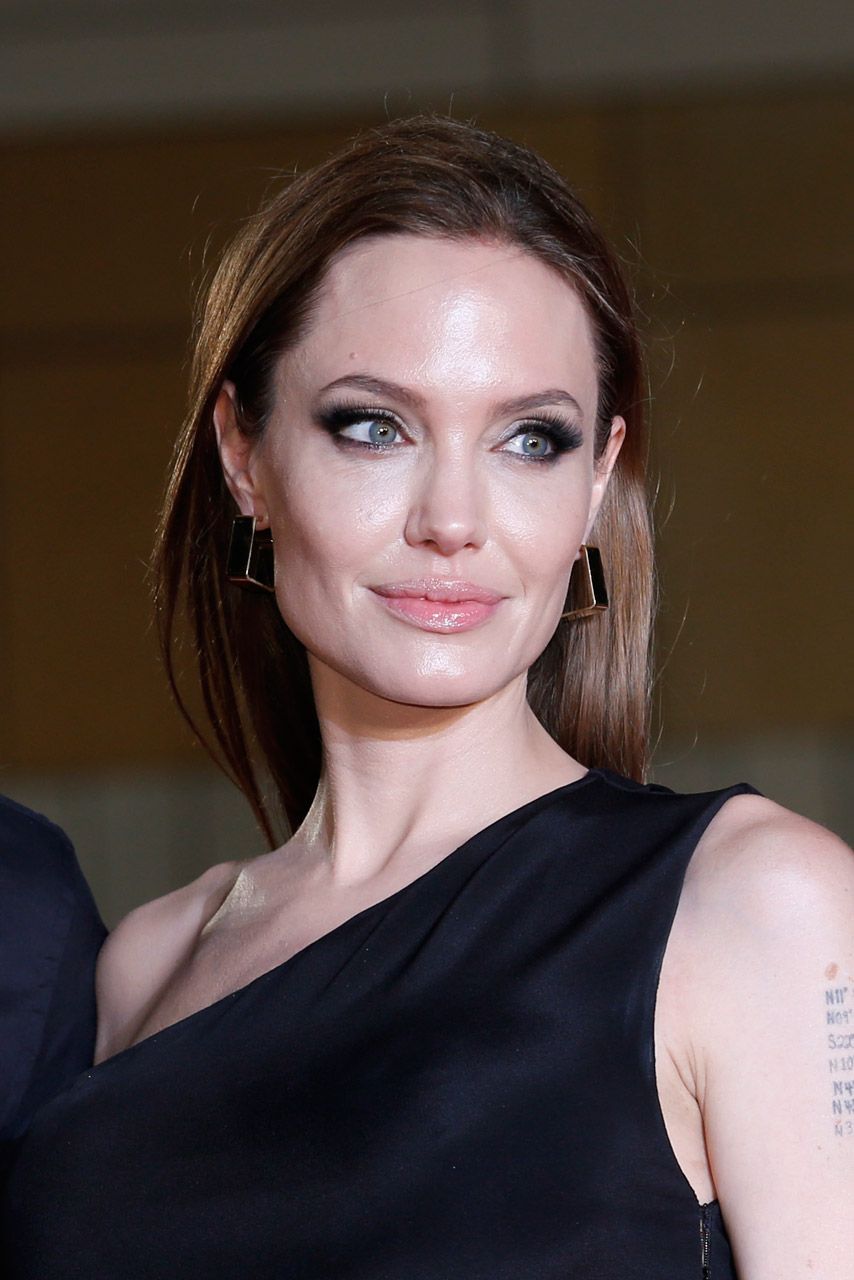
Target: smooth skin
<point>428,736</point>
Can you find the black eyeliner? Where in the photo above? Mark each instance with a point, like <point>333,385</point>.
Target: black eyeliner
<point>562,435</point>
<point>335,417</point>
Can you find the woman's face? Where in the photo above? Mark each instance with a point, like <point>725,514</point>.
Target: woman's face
<point>428,470</point>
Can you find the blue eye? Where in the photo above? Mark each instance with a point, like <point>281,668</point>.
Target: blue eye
<point>544,440</point>
<point>532,444</point>
<point>360,427</point>
<point>374,431</point>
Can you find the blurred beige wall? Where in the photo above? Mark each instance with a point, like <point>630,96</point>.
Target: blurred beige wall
<point>732,207</point>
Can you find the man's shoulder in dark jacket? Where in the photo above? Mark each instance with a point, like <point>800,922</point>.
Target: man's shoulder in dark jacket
<point>50,935</point>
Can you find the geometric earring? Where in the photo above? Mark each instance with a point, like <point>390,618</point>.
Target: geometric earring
<point>250,555</point>
<point>587,584</point>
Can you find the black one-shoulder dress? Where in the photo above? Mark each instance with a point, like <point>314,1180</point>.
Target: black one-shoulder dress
<point>458,1083</point>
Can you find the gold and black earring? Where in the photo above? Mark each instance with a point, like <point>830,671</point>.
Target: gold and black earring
<point>250,555</point>
<point>587,593</point>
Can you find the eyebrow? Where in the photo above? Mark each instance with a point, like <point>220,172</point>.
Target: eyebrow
<point>517,404</point>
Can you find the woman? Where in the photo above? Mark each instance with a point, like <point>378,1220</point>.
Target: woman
<point>496,1008</point>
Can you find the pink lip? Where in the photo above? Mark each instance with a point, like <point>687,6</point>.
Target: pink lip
<point>436,604</point>
<point>444,589</point>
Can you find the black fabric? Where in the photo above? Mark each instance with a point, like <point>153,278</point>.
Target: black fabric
<point>456,1084</point>
<point>50,935</point>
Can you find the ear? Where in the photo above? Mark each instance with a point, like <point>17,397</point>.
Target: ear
<point>603,467</point>
<point>236,454</point>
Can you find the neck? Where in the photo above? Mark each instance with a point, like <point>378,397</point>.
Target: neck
<point>405,783</point>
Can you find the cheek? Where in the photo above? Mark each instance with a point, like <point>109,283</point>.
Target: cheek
<point>334,516</point>
<point>542,531</point>
<point>328,528</point>
<point>309,561</point>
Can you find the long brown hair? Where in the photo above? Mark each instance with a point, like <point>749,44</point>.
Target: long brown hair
<point>438,177</point>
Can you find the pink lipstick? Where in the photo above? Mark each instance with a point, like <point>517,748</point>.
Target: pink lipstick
<point>439,604</point>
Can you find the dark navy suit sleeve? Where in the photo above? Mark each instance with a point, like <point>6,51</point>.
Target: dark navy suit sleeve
<point>50,935</point>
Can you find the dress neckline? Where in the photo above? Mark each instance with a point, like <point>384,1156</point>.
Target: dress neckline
<point>523,812</point>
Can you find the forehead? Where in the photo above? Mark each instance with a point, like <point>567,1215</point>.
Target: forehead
<point>451,315</point>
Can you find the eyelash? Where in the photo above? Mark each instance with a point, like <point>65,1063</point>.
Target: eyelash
<point>563,436</point>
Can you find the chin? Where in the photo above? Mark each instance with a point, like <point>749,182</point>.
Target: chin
<point>427,680</point>
<point>438,688</point>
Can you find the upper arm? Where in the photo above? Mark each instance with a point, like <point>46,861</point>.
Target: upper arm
<point>145,950</point>
<point>776,1043</point>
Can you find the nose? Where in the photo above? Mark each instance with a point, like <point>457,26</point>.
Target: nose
<point>446,510</point>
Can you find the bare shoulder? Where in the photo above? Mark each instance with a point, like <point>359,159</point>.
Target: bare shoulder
<point>762,994</point>
<point>767,910</point>
<point>761,868</point>
<point>146,948</point>
<point>767,905</point>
